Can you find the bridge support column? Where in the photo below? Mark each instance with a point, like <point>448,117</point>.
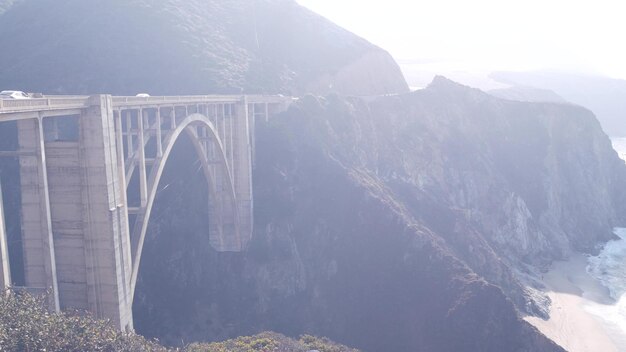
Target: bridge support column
<point>242,166</point>
<point>5,274</point>
<point>40,271</point>
<point>143,175</point>
<point>106,246</point>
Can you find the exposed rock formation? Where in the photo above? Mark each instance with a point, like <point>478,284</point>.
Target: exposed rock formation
<point>395,224</point>
<point>375,221</point>
<point>538,179</point>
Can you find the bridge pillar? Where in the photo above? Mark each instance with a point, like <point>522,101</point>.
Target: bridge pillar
<point>38,244</point>
<point>80,196</point>
<point>5,274</point>
<point>104,216</point>
<point>242,169</point>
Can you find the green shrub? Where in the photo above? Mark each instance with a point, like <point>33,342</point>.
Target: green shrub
<point>323,344</point>
<point>26,325</point>
<point>271,342</point>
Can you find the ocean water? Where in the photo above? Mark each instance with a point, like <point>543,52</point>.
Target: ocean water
<point>609,267</point>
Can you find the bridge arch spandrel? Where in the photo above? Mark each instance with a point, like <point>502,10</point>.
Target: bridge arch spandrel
<point>223,212</point>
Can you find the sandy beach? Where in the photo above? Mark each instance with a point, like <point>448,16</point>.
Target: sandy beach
<point>578,300</point>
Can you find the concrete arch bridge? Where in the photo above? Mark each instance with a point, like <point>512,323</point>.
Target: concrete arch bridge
<point>89,172</point>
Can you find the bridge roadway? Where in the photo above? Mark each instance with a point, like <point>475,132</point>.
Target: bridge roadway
<point>89,172</point>
<point>65,105</point>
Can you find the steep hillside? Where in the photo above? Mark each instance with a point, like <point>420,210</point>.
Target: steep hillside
<point>538,178</point>
<point>390,225</point>
<point>185,47</point>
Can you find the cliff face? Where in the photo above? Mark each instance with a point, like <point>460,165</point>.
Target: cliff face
<point>400,223</point>
<point>394,223</point>
<point>364,263</point>
<point>504,183</point>
<point>183,47</point>
<point>335,253</point>
<point>538,179</point>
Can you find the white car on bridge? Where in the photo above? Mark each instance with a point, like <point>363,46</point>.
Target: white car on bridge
<point>13,94</point>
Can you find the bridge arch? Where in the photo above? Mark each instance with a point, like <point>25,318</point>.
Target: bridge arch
<point>85,236</point>
<point>224,232</point>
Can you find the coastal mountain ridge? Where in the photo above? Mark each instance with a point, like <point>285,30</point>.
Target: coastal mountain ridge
<point>385,219</point>
<point>207,47</point>
<point>365,211</point>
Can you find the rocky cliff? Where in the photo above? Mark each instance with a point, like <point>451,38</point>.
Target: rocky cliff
<point>403,222</point>
<point>539,179</point>
<point>185,47</point>
<point>392,223</point>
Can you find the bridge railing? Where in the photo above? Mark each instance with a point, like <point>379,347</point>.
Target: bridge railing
<point>78,102</point>
<point>191,99</point>
<point>37,104</point>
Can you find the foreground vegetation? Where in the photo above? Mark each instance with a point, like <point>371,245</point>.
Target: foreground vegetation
<point>270,341</point>
<point>26,325</point>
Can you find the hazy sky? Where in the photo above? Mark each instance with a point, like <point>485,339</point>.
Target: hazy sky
<point>492,34</point>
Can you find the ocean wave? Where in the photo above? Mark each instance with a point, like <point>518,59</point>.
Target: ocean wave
<point>609,267</point>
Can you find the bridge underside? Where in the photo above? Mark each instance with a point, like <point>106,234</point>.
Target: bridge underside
<point>89,181</point>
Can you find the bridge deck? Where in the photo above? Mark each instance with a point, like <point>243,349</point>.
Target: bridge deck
<point>17,109</point>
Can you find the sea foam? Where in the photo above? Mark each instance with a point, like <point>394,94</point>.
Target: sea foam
<point>609,267</point>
